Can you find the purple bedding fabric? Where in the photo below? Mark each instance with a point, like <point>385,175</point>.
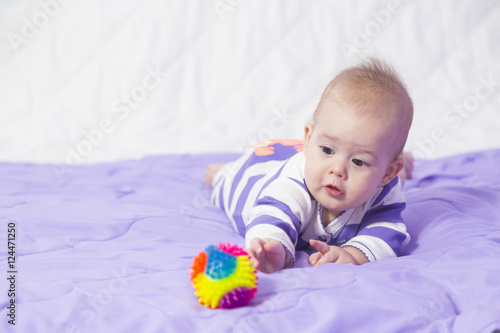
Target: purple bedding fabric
<point>108,248</point>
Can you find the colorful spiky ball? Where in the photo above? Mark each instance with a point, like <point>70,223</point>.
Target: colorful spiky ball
<point>223,277</point>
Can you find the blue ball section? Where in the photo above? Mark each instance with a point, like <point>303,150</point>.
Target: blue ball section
<point>220,264</point>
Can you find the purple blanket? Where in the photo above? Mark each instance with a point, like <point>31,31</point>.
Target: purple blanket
<point>108,248</point>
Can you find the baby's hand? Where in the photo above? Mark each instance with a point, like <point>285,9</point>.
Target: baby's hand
<point>327,253</point>
<point>267,255</point>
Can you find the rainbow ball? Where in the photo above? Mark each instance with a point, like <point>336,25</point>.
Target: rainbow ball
<point>223,277</point>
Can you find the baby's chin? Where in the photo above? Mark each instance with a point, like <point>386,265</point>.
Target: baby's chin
<point>334,203</point>
<point>333,210</point>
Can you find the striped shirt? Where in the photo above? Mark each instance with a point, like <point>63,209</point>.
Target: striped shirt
<point>264,195</point>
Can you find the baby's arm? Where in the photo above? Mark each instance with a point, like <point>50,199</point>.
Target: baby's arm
<point>268,255</point>
<point>340,255</point>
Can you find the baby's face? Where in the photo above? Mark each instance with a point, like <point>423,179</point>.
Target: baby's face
<point>347,157</point>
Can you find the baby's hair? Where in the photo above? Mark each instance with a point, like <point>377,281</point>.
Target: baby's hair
<point>373,88</point>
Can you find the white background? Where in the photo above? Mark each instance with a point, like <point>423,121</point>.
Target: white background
<point>93,81</point>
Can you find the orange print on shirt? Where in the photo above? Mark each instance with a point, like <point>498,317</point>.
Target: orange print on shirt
<point>267,147</point>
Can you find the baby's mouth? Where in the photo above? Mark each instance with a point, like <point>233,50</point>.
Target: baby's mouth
<point>333,191</point>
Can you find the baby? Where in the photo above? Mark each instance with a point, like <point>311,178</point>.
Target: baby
<point>339,190</point>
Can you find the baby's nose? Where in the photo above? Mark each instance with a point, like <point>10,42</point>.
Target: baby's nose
<point>338,168</point>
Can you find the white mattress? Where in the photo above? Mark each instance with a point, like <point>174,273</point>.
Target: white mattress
<point>93,81</point>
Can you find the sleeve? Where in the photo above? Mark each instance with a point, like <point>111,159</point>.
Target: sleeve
<point>382,232</point>
<point>278,213</point>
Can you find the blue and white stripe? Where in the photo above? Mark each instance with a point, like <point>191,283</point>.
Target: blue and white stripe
<point>266,197</point>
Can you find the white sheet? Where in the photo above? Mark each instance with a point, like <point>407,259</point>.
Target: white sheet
<point>91,81</point>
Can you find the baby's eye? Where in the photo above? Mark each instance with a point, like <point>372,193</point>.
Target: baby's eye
<point>327,151</point>
<point>358,162</point>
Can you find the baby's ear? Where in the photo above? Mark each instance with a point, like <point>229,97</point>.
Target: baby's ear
<point>307,134</point>
<point>392,170</point>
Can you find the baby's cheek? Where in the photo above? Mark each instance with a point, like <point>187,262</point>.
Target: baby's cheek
<point>362,189</point>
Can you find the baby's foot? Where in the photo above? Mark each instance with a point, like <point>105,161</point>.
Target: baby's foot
<point>407,171</point>
<point>211,171</point>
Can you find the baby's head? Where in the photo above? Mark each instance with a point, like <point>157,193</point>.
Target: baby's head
<point>372,89</point>
<point>358,133</point>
